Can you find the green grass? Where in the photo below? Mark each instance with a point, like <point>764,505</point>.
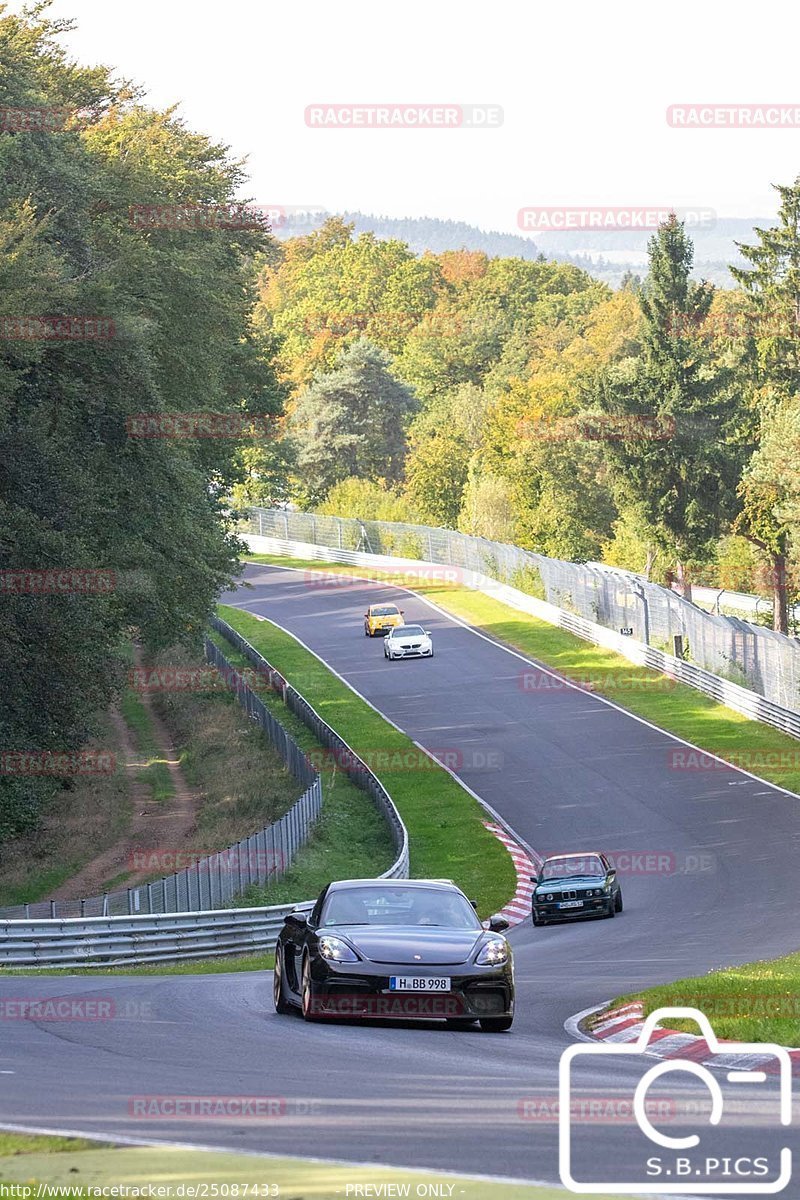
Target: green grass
<point>155,771</point>
<point>350,837</point>
<point>447,838</point>
<point>97,1166</point>
<point>237,776</point>
<point>83,818</point>
<point>672,706</point>
<point>759,1002</point>
<point>202,966</point>
<point>29,1143</point>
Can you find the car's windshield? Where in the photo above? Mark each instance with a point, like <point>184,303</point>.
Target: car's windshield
<point>569,867</point>
<point>409,631</point>
<point>385,610</point>
<point>398,905</point>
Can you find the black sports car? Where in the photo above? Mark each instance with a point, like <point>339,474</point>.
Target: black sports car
<point>575,885</point>
<point>408,949</point>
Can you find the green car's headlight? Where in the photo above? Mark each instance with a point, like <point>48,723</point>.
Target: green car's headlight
<point>493,953</point>
<point>335,950</point>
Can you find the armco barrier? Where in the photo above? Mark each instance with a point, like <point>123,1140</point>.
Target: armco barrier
<point>739,698</point>
<point>758,659</point>
<point>166,937</point>
<point>131,941</point>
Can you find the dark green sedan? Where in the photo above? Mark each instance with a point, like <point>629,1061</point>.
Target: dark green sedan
<point>575,885</point>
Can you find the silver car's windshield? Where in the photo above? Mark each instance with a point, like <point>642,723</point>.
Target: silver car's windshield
<point>398,905</point>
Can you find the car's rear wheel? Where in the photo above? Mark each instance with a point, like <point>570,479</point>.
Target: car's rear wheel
<point>282,1005</point>
<point>307,991</point>
<point>618,902</point>
<point>496,1024</point>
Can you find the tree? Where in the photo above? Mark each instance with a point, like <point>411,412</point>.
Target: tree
<point>78,489</point>
<point>442,440</point>
<point>351,422</point>
<point>487,510</point>
<point>672,440</point>
<point>772,287</point>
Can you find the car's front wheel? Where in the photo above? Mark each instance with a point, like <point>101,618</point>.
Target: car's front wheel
<point>496,1024</point>
<point>307,991</point>
<point>537,920</point>
<point>618,902</point>
<point>282,1005</point>
<point>366,631</point>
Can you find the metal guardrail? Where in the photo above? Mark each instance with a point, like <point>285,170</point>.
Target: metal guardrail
<point>133,941</point>
<point>117,941</point>
<point>733,695</point>
<point>756,658</point>
<point>345,757</point>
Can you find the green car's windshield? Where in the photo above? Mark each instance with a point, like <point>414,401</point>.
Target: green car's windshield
<point>572,867</point>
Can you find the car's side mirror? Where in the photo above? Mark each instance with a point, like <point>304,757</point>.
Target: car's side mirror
<point>474,904</point>
<point>498,923</point>
<point>402,612</point>
<point>298,919</point>
<point>366,614</point>
<point>427,632</point>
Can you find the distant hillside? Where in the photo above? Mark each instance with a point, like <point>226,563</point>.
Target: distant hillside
<point>607,255</point>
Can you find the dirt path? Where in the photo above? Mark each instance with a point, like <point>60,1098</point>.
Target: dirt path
<point>153,827</point>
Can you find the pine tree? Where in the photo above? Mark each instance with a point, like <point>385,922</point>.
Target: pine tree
<point>671,443</point>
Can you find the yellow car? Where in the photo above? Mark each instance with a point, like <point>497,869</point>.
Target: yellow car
<point>380,618</point>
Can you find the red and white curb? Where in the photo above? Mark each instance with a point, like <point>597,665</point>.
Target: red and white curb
<point>518,909</point>
<point>625,1023</point>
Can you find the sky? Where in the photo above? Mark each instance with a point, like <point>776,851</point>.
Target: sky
<point>583,87</point>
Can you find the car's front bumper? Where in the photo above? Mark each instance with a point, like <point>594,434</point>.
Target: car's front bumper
<point>362,990</point>
<point>590,908</point>
<point>412,652</point>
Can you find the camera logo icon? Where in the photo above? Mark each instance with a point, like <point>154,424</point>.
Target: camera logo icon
<point>659,1162</point>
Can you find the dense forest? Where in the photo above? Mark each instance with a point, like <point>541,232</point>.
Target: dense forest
<point>654,426</point>
<point>165,361</point>
<point>103,321</point>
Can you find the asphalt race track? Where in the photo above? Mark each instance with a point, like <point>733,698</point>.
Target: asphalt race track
<point>566,771</point>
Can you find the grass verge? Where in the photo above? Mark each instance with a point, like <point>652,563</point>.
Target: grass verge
<point>350,837</point>
<point>83,818</point>
<point>672,706</point>
<point>202,966</point>
<point>154,770</point>
<point>27,1161</point>
<point>239,778</point>
<point>759,1002</point>
<point>447,838</point>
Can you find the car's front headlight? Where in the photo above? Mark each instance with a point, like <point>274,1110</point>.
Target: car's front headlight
<point>493,953</point>
<point>335,950</point>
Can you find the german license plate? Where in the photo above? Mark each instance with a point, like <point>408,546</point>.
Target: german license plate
<point>571,904</point>
<point>418,983</point>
